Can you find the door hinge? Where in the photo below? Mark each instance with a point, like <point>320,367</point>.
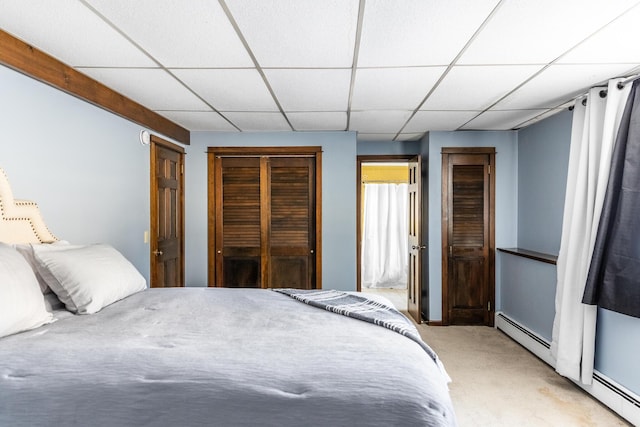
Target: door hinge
<point>489,306</point>
<point>182,168</point>
<point>489,169</point>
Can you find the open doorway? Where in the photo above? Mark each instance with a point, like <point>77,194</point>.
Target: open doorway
<point>383,227</point>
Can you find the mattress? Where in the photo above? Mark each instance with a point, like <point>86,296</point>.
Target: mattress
<point>220,357</point>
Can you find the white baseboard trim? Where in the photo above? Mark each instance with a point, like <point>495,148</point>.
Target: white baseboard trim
<point>619,399</point>
<point>525,337</point>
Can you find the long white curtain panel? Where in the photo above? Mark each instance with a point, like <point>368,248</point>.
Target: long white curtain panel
<point>385,256</point>
<point>593,134</point>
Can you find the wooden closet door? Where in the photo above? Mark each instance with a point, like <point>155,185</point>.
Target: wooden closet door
<point>468,236</point>
<point>238,253</point>
<point>291,223</point>
<point>263,219</point>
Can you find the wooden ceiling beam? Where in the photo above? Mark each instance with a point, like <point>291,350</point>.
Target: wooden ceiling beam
<point>28,60</point>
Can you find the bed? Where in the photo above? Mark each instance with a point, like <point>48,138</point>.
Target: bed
<point>75,354</point>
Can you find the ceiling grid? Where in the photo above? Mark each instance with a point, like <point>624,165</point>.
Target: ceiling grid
<point>385,69</point>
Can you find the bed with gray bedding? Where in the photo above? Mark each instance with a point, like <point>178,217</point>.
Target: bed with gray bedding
<point>219,357</point>
<point>83,342</point>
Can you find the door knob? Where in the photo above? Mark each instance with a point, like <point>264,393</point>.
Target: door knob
<point>157,253</point>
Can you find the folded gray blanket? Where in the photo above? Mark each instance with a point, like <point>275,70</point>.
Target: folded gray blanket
<point>362,308</point>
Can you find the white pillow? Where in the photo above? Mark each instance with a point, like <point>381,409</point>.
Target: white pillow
<point>21,302</point>
<point>87,278</point>
<point>27,252</point>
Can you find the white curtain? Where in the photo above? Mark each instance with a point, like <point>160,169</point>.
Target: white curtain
<point>385,256</point>
<point>593,136</point>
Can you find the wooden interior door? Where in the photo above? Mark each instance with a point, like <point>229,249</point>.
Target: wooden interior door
<point>417,292</point>
<point>263,216</point>
<point>167,213</point>
<point>291,222</point>
<point>238,242</point>
<point>468,248</point>
<point>415,246</point>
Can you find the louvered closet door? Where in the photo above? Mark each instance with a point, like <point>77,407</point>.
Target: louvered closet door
<point>468,238</point>
<point>469,250</point>
<point>265,222</point>
<point>292,226</point>
<point>238,240</point>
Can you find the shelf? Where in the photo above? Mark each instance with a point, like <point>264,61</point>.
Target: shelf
<point>525,253</point>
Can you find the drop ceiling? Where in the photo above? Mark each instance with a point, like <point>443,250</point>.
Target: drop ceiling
<point>388,69</point>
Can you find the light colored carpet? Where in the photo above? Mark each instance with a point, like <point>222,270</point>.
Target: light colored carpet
<point>397,296</point>
<point>496,382</point>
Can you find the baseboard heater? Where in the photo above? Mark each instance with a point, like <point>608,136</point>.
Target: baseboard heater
<point>621,400</point>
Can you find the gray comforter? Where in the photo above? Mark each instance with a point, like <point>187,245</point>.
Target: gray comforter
<point>218,357</point>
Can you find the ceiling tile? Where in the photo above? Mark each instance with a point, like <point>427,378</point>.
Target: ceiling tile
<point>310,90</point>
<point>318,120</point>
<point>229,89</point>
<point>199,120</point>
<point>559,83</point>
<point>250,121</point>
<point>177,34</point>
<point>477,87</point>
<point>388,121</point>
<point>301,33</point>
<point>155,89</point>
<point>418,32</point>
<point>424,121</point>
<point>393,88</point>
<point>635,70</point>
<point>70,32</point>
<point>501,120</point>
<point>617,42</point>
<point>536,32</point>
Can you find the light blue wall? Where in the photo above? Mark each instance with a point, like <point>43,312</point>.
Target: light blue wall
<point>366,148</point>
<point>528,287</point>
<point>528,292</point>
<point>617,348</point>
<point>84,167</point>
<point>543,156</point>
<point>506,175</point>
<point>338,199</point>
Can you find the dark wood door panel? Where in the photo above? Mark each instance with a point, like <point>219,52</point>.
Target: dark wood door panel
<point>415,247</point>
<point>237,252</point>
<point>468,299</point>
<point>290,272</point>
<point>241,272</point>
<point>292,227</point>
<point>239,222</point>
<point>468,208</point>
<point>468,228</point>
<point>167,207</point>
<point>470,273</point>
<point>292,190</point>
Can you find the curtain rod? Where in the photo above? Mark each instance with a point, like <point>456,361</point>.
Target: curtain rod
<point>603,92</point>
<point>385,181</point>
<point>627,80</point>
